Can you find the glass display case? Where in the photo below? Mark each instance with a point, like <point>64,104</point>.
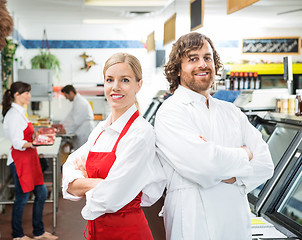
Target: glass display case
<point>150,113</point>
<point>266,128</point>
<point>284,205</point>
<point>281,142</point>
<point>291,207</point>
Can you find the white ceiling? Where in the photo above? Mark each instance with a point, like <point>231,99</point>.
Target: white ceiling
<point>266,13</point>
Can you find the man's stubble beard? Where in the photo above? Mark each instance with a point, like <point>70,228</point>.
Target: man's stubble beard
<point>198,86</point>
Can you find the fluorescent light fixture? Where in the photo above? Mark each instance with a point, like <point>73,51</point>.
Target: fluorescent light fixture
<point>126,3</point>
<point>105,21</point>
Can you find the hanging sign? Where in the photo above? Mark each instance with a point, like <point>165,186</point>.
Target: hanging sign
<point>169,29</point>
<point>235,5</point>
<point>278,45</point>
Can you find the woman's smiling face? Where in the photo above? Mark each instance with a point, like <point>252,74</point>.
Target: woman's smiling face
<point>121,86</point>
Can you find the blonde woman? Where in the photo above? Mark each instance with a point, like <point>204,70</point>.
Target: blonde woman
<point>117,169</point>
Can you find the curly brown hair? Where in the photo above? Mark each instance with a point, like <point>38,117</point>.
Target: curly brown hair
<point>6,23</point>
<point>180,49</point>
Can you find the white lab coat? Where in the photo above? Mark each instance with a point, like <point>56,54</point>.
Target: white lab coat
<point>135,169</point>
<point>79,120</point>
<point>199,147</point>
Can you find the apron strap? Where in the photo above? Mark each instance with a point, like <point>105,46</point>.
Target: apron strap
<point>125,129</point>
<point>98,137</point>
<point>88,221</point>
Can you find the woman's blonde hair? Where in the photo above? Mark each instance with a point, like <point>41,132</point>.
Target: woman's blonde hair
<point>129,59</point>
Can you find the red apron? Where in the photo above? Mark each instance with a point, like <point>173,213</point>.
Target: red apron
<point>28,164</point>
<point>129,223</point>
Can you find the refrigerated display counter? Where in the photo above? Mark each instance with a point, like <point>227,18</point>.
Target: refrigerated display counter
<point>150,113</point>
<point>282,139</point>
<point>284,206</point>
<point>265,127</point>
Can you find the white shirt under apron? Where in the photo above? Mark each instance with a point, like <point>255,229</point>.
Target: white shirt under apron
<point>135,169</point>
<point>198,147</point>
<point>15,122</point>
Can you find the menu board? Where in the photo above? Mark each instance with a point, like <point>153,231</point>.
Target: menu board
<point>282,45</point>
<point>196,14</point>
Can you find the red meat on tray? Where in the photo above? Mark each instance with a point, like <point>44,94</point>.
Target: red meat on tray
<point>45,137</point>
<point>46,131</point>
<point>43,140</point>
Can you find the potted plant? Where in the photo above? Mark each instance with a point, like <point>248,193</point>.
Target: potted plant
<point>46,60</point>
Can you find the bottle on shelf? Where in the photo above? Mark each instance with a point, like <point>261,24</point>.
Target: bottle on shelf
<point>232,81</point>
<point>257,80</point>
<point>228,83</point>
<point>246,80</point>
<point>236,81</point>
<point>241,81</point>
<point>251,80</point>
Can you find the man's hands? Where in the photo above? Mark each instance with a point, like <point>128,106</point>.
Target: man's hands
<point>248,151</point>
<point>250,155</point>
<point>230,180</point>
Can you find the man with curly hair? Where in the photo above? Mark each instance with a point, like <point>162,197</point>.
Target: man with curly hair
<point>6,23</point>
<point>211,154</point>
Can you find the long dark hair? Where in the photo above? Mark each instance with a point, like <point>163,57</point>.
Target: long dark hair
<point>181,48</point>
<point>8,97</point>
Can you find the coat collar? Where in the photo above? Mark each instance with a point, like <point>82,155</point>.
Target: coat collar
<point>18,108</point>
<point>76,97</point>
<point>188,96</point>
<point>120,123</point>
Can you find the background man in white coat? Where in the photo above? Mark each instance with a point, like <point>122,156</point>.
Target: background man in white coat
<point>80,119</point>
<point>212,155</point>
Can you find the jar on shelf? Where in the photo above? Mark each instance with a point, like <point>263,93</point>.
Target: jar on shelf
<point>291,104</point>
<point>278,104</point>
<point>284,104</point>
<point>298,105</point>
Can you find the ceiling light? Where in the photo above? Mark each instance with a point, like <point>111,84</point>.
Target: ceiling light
<point>105,21</point>
<point>128,3</point>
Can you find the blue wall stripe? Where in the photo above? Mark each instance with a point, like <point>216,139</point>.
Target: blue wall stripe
<point>32,44</point>
<point>60,44</point>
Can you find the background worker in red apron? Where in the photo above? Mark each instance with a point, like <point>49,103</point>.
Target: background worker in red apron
<point>23,161</point>
<point>117,168</point>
